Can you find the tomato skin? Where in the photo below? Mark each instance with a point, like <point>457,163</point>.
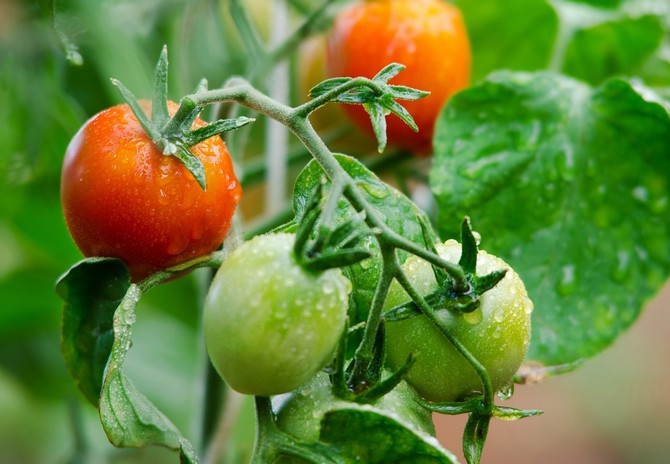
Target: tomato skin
<point>123,198</point>
<point>270,325</point>
<point>497,333</point>
<point>300,413</point>
<point>427,36</point>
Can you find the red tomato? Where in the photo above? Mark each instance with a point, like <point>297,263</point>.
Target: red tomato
<point>427,36</point>
<point>123,198</point>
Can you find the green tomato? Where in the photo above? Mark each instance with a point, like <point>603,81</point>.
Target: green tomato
<point>269,324</point>
<point>497,333</point>
<point>300,413</point>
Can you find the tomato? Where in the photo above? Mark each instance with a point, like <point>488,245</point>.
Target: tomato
<point>301,412</point>
<point>427,36</point>
<point>123,198</point>
<point>269,324</point>
<point>497,333</point>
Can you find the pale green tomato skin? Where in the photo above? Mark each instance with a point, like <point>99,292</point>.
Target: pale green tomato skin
<point>300,413</point>
<point>497,333</point>
<point>270,325</point>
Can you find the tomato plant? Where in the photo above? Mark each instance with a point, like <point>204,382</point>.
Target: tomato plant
<point>368,35</point>
<point>497,333</point>
<point>123,198</point>
<point>344,314</point>
<point>269,324</point>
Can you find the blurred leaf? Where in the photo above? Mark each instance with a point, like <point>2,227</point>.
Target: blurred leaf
<point>570,185</point>
<point>398,212</point>
<point>354,430</point>
<point>614,47</point>
<point>508,35</point>
<point>92,290</point>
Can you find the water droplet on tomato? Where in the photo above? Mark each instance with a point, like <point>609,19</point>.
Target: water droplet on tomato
<point>177,244</point>
<point>474,317</point>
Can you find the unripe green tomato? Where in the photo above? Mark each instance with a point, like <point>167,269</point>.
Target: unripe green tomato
<point>497,334</point>
<point>269,324</point>
<point>300,413</point>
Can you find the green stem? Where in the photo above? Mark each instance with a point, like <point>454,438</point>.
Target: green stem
<point>432,316</point>
<point>365,351</point>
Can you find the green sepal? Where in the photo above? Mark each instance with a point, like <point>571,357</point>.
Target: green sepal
<point>337,258</point>
<point>396,108</point>
<point>402,92</point>
<point>159,109</point>
<point>505,413</point>
<point>452,408</point>
<point>388,72</point>
<point>327,85</point>
<point>429,242</point>
<point>191,162</point>
<point>378,120</point>
<point>139,113</point>
<point>485,283</point>
<point>468,260</point>
<point>216,128</point>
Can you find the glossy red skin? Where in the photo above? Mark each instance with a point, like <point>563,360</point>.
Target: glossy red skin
<point>427,36</point>
<point>123,198</point>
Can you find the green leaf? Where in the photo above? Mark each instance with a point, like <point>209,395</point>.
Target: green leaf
<point>92,290</point>
<point>399,212</point>
<point>377,438</point>
<point>570,185</point>
<point>127,416</point>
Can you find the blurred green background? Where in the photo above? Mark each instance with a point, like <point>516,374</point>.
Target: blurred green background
<point>56,58</point>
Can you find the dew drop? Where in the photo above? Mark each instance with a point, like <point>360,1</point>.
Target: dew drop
<point>177,244</point>
<point>375,190</point>
<point>327,287</point>
<point>474,317</point>
<point>506,392</point>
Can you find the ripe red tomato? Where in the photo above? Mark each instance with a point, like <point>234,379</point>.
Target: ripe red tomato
<point>427,36</point>
<point>123,198</point>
